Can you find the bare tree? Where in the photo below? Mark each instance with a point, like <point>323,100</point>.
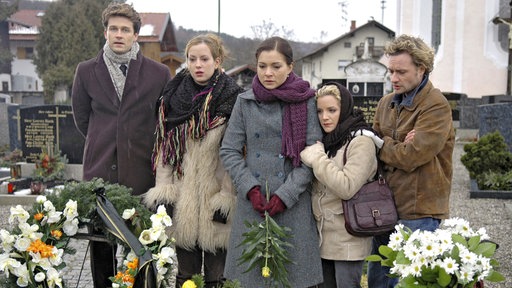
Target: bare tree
<point>268,29</point>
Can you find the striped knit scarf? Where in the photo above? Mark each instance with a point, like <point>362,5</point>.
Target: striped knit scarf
<point>188,111</point>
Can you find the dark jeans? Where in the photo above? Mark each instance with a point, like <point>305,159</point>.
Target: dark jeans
<point>376,273</point>
<point>191,262</point>
<point>342,274</point>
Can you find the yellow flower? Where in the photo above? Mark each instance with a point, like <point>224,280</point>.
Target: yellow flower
<point>56,233</point>
<point>265,272</point>
<point>189,284</point>
<point>38,216</point>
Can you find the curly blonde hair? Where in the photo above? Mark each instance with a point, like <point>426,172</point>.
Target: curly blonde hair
<point>422,54</point>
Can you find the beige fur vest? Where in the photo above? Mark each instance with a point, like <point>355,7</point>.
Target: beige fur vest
<point>204,188</point>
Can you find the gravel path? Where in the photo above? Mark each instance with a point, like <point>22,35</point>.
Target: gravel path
<point>493,214</point>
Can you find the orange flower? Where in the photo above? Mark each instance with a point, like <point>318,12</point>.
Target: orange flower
<point>38,216</point>
<point>133,264</point>
<point>56,233</point>
<point>42,248</point>
<point>119,275</point>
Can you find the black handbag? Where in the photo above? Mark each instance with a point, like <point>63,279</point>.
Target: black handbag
<point>371,211</point>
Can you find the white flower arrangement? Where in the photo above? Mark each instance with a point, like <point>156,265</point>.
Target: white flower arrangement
<point>31,254</point>
<point>452,256</point>
<point>154,239</point>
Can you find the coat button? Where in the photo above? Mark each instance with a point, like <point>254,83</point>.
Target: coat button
<point>280,174</point>
<point>258,155</point>
<point>113,167</point>
<point>257,135</point>
<point>280,156</point>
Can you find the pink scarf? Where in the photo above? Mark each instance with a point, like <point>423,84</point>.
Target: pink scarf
<point>294,92</point>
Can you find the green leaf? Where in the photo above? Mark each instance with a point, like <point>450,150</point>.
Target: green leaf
<point>486,249</point>
<point>473,242</point>
<point>495,276</point>
<point>444,278</point>
<point>385,251</point>
<point>374,258</point>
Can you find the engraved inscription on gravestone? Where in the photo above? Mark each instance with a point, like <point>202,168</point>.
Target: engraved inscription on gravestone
<point>41,125</point>
<point>368,105</point>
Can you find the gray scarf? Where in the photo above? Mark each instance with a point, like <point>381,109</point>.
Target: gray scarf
<point>113,62</point>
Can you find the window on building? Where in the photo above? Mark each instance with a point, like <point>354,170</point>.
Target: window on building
<point>342,64</point>
<point>25,53</point>
<point>347,44</point>
<point>371,41</point>
<point>436,23</point>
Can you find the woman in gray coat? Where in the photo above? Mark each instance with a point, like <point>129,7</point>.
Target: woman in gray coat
<point>270,125</point>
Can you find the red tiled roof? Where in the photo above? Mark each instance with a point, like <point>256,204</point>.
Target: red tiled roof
<point>27,17</point>
<point>153,26</point>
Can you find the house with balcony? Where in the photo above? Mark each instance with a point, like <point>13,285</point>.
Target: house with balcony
<point>351,57</point>
<point>156,38</point>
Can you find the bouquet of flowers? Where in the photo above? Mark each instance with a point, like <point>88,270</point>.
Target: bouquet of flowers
<point>31,254</point>
<point>265,244</point>
<point>50,166</point>
<point>197,281</point>
<point>154,239</point>
<point>452,256</point>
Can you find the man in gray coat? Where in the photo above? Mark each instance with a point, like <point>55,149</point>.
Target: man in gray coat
<point>114,106</point>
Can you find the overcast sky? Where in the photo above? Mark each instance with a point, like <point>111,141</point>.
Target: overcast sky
<point>306,20</point>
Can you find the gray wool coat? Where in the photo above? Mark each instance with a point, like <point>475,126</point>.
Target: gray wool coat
<point>256,127</point>
<point>118,134</point>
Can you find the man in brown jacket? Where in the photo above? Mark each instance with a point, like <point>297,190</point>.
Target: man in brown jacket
<point>415,122</point>
<point>114,106</point>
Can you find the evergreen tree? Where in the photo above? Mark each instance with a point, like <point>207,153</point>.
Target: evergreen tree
<point>5,54</point>
<point>71,31</point>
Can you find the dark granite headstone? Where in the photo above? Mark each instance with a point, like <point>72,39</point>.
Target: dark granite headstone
<point>40,126</point>
<point>13,115</point>
<point>368,104</point>
<point>496,117</point>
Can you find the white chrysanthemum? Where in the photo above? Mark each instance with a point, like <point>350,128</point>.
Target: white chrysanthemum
<point>398,269</point>
<point>18,215</point>
<point>22,244</point>
<point>39,277</point>
<point>414,269</point>
<point>466,274</point>
<point>40,199</point>
<point>396,240</point>
<point>412,252</point>
<point>483,234</point>
<point>467,256</point>
<point>430,247</point>
<point>71,210</point>
<point>131,256</point>
<point>54,278</point>
<point>450,265</point>
<point>128,213</point>
<point>70,227</point>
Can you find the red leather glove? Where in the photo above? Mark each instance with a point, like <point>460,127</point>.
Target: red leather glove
<point>257,199</point>
<point>275,205</point>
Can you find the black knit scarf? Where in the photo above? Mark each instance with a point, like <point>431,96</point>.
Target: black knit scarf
<point>188,110</point>
<point>351,120</point>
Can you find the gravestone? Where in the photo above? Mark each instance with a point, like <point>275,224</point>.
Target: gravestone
<point>368,104</point>
<point>13,119</point>
<point>49,125</point>
<point>496,117</point>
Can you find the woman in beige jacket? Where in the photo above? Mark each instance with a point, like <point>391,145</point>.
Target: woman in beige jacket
<point>344,129</point>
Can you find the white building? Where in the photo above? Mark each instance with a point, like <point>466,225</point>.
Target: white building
<point>471,51</point>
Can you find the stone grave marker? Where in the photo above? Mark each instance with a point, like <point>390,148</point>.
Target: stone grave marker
<point>45,126</point>
<point>368,104</point>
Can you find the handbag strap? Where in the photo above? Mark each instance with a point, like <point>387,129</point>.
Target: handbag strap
<point>379,174</point>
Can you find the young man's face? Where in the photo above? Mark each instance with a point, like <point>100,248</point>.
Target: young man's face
<point>404,74</point>
<point>120,34</point>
